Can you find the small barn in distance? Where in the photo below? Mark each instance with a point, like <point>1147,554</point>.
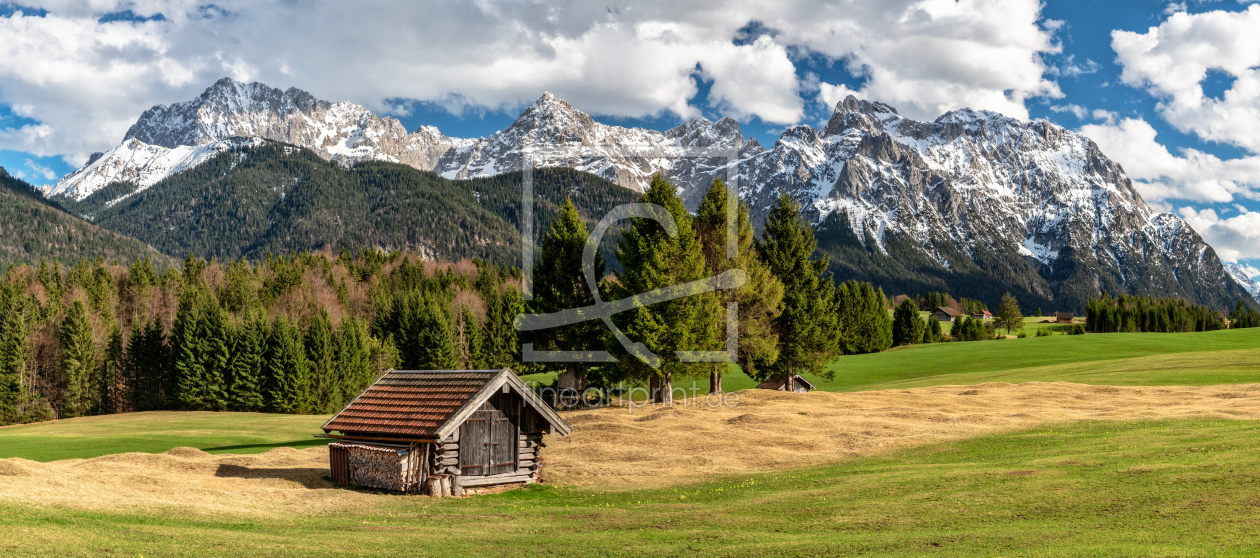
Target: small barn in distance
<point>983,315</point>
<point>1063,317</point>
<point>799,384</point>
<point>442,432</point>
<point>944,314</point>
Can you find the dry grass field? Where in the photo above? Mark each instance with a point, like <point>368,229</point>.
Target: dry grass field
<point>623,449</point>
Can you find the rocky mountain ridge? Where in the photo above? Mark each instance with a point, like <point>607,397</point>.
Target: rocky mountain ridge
<point>972,202</point>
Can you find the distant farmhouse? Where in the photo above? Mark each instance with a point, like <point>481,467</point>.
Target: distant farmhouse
<point>798,385</point>
<point>442,432</point>
<point>944,314</point>
<point>1063,317</point>
<point>983,315</point>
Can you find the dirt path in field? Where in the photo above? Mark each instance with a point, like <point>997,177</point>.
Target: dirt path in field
<point>627,448</point>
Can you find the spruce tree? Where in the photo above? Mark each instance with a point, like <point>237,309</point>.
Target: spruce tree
<point>112,386</point>
<point>288,384</point>
<point>353,360</point>
<point>319,351</point>
<point>435,337</point>
<point>560,285</point>
<point>808,334</point>
<point>246,392</point>
<point>78,361</point>
<point>653,260</point>
<point>907,326</point>
<point>14,355</point>
<point>1008,315</point>
<point>759,301</point>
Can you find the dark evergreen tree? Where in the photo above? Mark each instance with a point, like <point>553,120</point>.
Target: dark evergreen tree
<point>325,386</point>
<point>246,392</point>
<point>559,284</point>
<point>760,300</point>
<point>807,328</point>
<point>654,259</point>
<point>78,361</point>
<point>288,384</point>
<point>907,326</point>
<point>862,317</point>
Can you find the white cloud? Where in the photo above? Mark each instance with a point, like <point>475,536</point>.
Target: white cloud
<point>1234,238</point>
<point>1173,59</point>
<point>85,82</point>
<point>41,170</point>
<point>934,56</point>
<point>1159,175</point>
<point>1078,110</point>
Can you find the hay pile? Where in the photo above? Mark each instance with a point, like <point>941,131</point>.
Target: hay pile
<point>278,482</point>
<point>629,448</point>
<point>770,430</point>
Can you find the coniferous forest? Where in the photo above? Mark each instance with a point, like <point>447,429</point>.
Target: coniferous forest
<point>305,332</point>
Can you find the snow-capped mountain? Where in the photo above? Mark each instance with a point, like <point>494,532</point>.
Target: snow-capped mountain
<point>1243,275</point>
<point>972,202</point>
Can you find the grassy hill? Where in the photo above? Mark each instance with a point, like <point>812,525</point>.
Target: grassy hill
<point>282,199</point>
<point>33,229</point>
<point>1155,488</point>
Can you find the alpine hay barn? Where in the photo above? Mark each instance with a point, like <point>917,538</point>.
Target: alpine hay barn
<point>442,432</point>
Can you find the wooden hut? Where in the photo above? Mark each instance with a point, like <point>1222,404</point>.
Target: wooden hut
<point>799,384</point>
<point>442,432</point>
<point>1063,317</point>
<point>944,314</point>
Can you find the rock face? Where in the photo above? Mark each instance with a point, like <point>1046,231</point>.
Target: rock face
<point>973,203</point>
<point>1241,275</point>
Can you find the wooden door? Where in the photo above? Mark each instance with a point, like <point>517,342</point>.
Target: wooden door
<point>502,443</point>
<point>474,445</point>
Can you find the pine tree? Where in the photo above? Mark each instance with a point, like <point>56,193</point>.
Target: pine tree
<point>469,351</point>
<point>933,333</point>
<point>246,392</point>
<point>862,318</point>
<point>652,260</point>
<point>808,334</point>
<point>907,326</point>
<point>288,384</point>
<point>319,351</point>
<point>759,301</point>
<point>560,284</point>
<point>112,386</point>
<point>435,337</point>
<point>353,360</point>
<point>15,353</point>
<point>78,361</point>
<point>501,341</point>
<point>1008,316</point>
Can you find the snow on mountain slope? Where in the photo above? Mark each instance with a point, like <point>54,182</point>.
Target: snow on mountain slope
<point>972,200</point>
<point>1243,275</point>
<point>139,163</point>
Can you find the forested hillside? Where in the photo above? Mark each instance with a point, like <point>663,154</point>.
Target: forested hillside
<point>33,229</point>
<point>281,199</point>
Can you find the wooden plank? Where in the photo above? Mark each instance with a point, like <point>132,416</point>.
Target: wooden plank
<point>467,482</point>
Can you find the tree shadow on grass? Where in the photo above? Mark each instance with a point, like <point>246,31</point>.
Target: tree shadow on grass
<point>306,476</point>
<point>293,444</point>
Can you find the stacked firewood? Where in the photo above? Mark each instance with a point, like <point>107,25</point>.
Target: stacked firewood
<point>444,469</point>
<point>530,454</point>
<point>381,467</point>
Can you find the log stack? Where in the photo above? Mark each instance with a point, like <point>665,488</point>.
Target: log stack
<point>381,466</point>
<point>529,454</point>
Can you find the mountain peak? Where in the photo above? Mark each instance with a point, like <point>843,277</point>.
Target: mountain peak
<point>854,104</point>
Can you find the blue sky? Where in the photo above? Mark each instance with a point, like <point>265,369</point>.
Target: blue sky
<point>1125,72</point>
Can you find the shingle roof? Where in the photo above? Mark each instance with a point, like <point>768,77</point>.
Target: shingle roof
<point>947,310</point>
<point>425,403</point>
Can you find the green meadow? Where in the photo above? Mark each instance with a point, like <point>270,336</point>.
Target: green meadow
<point>1185,487</point>
<point>1157,488</point>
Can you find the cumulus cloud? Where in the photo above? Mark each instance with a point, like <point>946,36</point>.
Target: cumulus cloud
<point>934,56</point>
<point>1173,59</point>
<point>1078,110</point>
<point>85,81</point>
<point>1234,238</point>
<point>40,170</point>
<point>1160,175</point>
